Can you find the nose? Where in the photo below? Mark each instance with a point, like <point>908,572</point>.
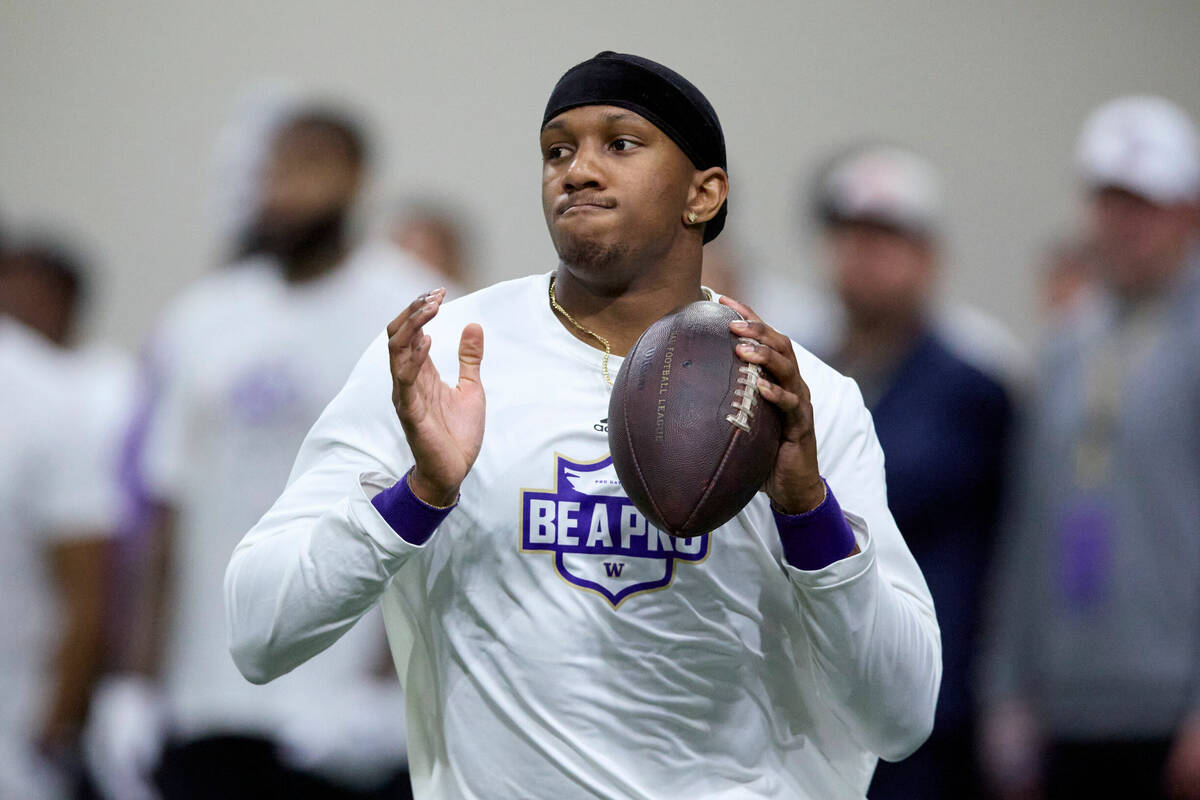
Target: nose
<point>584,171</point>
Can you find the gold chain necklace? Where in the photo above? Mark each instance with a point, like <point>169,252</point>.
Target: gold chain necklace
<point>607,347</point>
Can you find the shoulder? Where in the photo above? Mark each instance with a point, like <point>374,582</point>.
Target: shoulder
<point>502,309</point>
<point>31,369</point>
<point>37,389</point>
<point>980,340</point>
<point>383,268</point>
<point>503,306</point>
<point>212,297</point>
<point>1062,343</point>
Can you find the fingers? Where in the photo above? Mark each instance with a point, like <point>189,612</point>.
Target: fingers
<point>782,365</point>
<point>470,354</point>
<point>764,333</point>
<point>408,346</point>
<point>788,402</point>
<point>763,345</point>
<point>417,308</point>
<point>741,308</point>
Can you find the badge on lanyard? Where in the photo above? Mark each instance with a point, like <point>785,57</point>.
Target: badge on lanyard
<point>1085,559</point>
<point>1087,528</point>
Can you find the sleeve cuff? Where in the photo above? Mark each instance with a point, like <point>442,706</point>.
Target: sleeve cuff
<point>815,539</point>
<point>409,516</point>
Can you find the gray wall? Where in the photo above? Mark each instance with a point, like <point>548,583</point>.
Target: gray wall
<point>110,112</point>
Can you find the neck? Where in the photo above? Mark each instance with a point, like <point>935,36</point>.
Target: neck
<point>621,312</point>
<point>1150,290</point>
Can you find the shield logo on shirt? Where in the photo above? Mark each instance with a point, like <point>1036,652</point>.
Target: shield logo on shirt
<point>599,540</point>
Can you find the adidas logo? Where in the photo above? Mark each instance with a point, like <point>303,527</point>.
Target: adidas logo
<point>602,425</point>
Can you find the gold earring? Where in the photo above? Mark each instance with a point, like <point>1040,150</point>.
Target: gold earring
<point>692,217</point>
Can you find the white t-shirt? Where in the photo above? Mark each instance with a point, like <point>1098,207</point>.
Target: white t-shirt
<point>242,365</point>
<point>54,489</point>
<point>551,644</point>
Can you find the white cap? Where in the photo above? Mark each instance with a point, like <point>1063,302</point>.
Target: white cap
<point>1145,145</point>
<point>885,184</point>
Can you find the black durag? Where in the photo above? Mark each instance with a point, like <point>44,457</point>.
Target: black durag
<point>662,96</point>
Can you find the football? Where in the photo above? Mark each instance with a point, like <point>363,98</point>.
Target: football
<point>690,437</point>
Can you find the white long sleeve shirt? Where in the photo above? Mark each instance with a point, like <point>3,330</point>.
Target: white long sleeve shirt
<point>550,642</point>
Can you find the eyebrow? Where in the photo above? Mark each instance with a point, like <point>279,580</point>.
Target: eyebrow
<point>610,117</point>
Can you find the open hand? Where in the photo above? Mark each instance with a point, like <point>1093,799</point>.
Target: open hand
<point>443,425</point>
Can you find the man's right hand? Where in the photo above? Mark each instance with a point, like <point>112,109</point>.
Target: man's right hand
<point>443,425</point>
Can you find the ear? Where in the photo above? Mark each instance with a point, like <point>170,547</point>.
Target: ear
<point>706,195</point>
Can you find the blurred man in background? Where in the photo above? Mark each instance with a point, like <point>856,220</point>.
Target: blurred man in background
<point>241,366</point>
<point>58,506</point>
<point>1094,647</point>
<point>943,423</point>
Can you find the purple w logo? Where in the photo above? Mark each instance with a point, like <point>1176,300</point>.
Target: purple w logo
<point>586,520</point>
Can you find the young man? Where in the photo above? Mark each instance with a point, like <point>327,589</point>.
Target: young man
<point>242,365</point>
<point>777,656</point>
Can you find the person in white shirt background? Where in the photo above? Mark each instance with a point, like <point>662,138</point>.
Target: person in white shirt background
<point>779,656</point>
<point>240,366</point>
<point>58,509</point>
<point>45,290</point>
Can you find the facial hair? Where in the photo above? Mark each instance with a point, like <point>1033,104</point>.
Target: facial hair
<point>297,242</point>
<point>591,256</point>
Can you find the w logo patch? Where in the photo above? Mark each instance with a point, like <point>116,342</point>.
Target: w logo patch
<point>599,540</point>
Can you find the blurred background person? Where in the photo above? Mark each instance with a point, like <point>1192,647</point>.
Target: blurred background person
<point>44,285</point>
<point>58,508</point>
<point>1094,643</point>
<point>47,286</point>
<point>239,157</point>
<point>943,423</point>
<point>241,365</point>
<point>822,321</point>
<point>439,237</point>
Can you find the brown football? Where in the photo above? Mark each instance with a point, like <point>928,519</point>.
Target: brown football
<point>691,439</point>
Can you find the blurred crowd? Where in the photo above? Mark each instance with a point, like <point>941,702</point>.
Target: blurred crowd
<point>1051,498</point>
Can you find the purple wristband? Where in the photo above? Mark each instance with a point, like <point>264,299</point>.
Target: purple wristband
<point>817,538</point>
<point>411,518</point>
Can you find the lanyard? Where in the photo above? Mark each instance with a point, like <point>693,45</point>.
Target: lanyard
<point>1135,332</point>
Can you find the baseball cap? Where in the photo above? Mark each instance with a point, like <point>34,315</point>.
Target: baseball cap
<point>1143,144</point>
<point>886,184</point>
